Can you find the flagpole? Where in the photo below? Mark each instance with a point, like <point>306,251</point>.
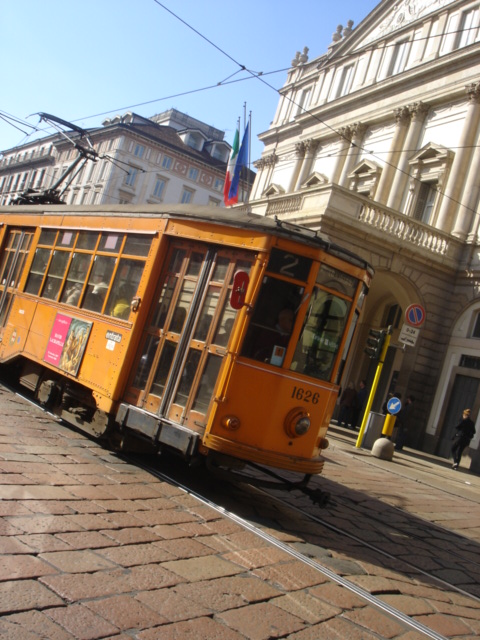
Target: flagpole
<point>249,154</point>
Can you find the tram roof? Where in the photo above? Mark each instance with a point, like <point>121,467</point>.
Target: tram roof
<point>237,217</point>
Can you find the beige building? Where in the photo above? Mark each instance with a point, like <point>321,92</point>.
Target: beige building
<point>376,143</point>
<point>170,158</point>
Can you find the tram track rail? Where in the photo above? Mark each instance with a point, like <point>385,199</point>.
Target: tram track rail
<point>377,603</point>
<point>338,503</point>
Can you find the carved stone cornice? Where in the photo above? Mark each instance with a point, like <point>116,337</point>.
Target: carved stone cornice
<point>473,92</point>
<point>418,110</point>
<point>266,161</point>
<point>346,133</point>
<point>402,115</point>
<point>300,149</point>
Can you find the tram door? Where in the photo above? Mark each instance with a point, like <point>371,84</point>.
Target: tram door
<point>12,260</point>
<point>188,332</point>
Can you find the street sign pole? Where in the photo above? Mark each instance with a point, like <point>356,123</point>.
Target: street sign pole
<point>374,388</point>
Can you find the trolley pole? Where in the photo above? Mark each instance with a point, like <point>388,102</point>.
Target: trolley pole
<point>373,390</point>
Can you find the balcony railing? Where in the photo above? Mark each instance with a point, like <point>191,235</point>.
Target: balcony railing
<point>331,203</point>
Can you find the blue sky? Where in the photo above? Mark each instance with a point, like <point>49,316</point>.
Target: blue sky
<point>88,60</point>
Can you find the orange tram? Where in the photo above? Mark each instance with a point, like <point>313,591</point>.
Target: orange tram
<point>216,334</point>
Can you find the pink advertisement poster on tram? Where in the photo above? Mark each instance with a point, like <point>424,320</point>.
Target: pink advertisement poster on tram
<point>67,343</point>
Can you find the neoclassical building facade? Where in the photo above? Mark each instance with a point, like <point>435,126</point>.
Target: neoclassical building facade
<point>376,143</point>
<point>171,157</point>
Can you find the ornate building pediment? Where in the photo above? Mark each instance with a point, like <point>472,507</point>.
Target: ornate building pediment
<point>364,177</point>
<point>431,162</point>
<point>314,180</point>
<point>274,190</point>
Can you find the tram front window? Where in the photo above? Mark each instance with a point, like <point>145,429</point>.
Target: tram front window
<point>272,321</point>
<point>321,335</point>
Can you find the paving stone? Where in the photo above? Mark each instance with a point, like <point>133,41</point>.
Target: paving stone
<point>19,567</point>
<point>133,535</point>
<point>131,555</point>
<point>82,623</point>
<point>306,607</point>
<point>338,596</point>
<point>207,567</point>
<point>42,524</point>
<point>291,575</point>
<point>22,595</point>
<point>448,626</point>
<point>125,613</point>
<point>197,629</point>
<point>76,561</point>
<point>12,546</point>
<point>34,492</point>
<point>222,594</point>
<point>42,542</point>
<point>375,621</point>
<point>36,623</point>
<point>263,621</point>
<point>253,558</point>
<point>85,540</point>
<point>171,605</point>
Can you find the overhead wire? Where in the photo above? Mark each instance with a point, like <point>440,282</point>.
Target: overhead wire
<point>306,111</point>
<point>260,76</point>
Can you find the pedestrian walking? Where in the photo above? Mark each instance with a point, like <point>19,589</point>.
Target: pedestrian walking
<point>361,401</point>
<point>464,432</point>
<point>348,401</point>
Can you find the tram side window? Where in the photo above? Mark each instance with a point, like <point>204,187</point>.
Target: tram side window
<point>272,322</point>
<point>56,273</point>
<point>37,271</point>
<point>98,283</point>
<point>76,277</point>
<point>124,288</point>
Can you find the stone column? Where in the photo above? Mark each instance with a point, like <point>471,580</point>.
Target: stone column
<point>265,165</point>
<point>300,149</point>
<point>456,180</point>
<point>402,117</point>
<point>464,225</point>
<point>345,141</point>
<point>310,146</point>
<point>358,131</point>
<point>418,112</point>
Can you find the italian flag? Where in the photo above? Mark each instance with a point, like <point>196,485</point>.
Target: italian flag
<point>232,161</point>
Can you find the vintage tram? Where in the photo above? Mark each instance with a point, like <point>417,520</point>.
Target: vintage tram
<point>213,333</point>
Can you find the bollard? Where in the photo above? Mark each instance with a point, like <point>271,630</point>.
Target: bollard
<point>383,448</point>
<point>388,425</point>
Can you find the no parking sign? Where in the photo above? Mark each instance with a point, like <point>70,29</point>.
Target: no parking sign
<point>415,315</point>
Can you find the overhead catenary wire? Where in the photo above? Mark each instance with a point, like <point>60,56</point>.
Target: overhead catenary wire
<point>260,76</point>
<point>314,116</point>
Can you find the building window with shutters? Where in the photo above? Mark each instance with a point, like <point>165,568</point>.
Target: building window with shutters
<point>468,28</point>
<point>399,58</point>
<point>131,177</point>
<point>187,196</point>
<point>159,188</point>
<point>346,81</point>
<point>425,203</point>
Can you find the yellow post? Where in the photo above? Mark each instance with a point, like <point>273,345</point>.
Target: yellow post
<point>373,389</point>
<point>388,425</point>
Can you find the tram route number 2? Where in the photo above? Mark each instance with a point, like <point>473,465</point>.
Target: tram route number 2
<point>305,395</point>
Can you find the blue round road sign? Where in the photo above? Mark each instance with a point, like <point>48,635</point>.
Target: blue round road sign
<point>415,315</point>
<point>393,406</point>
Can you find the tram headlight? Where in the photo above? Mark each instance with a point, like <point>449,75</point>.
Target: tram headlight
<point>232,423</point>
<point>297,422</point>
